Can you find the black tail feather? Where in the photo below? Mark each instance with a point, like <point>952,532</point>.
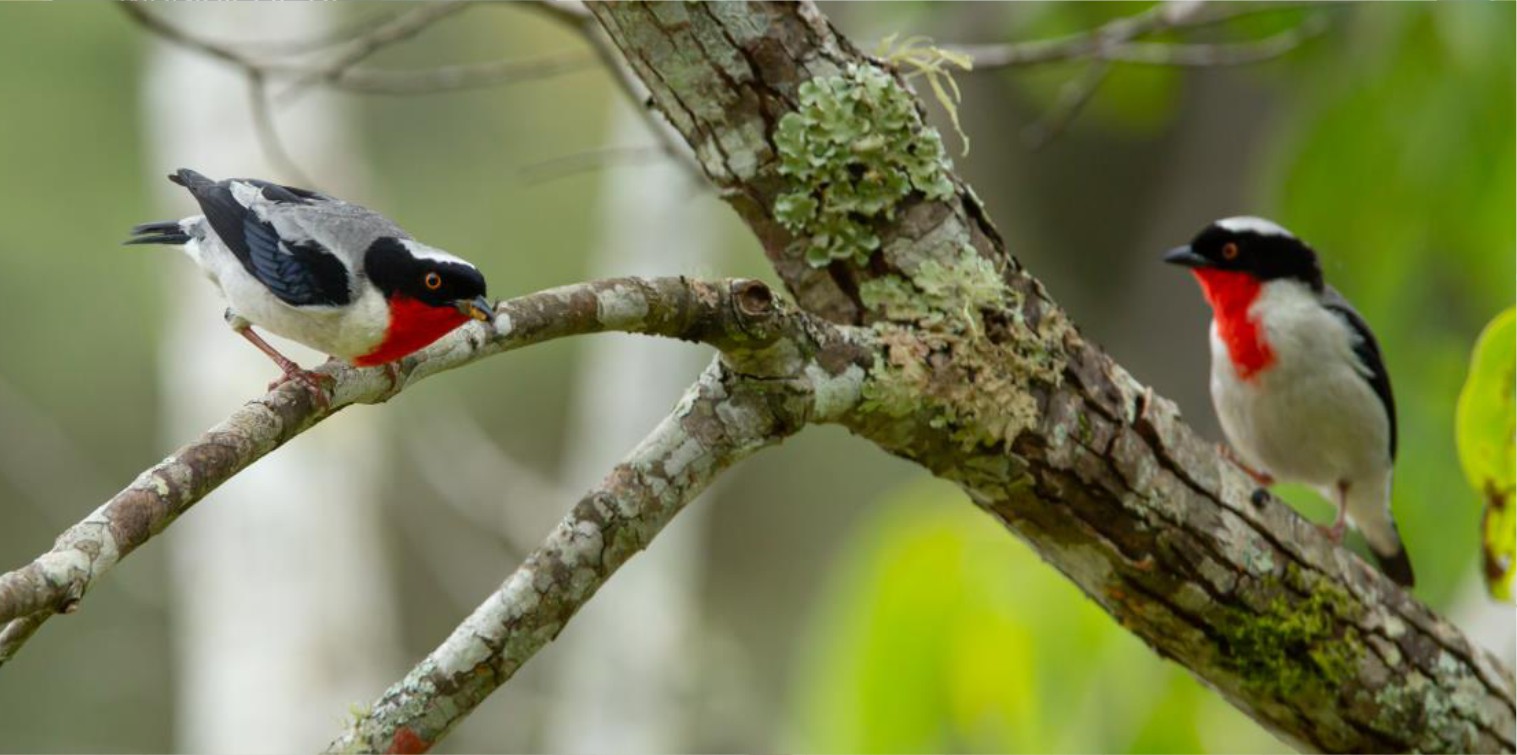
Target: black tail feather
<point>162,232</point>
<point>1397,566</point>
<point>191,180</point>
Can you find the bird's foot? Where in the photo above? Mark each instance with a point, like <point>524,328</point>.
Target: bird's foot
<point>315,383</point>
<point>1334,531</point>
<point>1264,479</point>
<point>392,373</point>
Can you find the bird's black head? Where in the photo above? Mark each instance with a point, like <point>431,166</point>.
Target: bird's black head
<point>1251,245</point>
<point>401,267</point>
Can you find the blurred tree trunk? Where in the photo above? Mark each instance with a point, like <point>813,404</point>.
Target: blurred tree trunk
<point>267,656</point>
<point>622,685</point>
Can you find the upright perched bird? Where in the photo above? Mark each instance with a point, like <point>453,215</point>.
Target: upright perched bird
<point>332,275</point>
<point>1296,378</point>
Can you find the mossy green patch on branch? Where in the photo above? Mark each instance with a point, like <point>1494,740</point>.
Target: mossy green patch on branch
<point>853,150</point>
<point>1294,646</point>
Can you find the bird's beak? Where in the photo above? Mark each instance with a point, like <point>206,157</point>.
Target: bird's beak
<point>478,308</point>
<point>1182,255</point>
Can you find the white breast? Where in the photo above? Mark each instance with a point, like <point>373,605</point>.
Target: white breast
<point>1310,416</point>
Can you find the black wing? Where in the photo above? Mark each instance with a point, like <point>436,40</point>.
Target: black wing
<point>300,272</point>
<point>1368,351</point>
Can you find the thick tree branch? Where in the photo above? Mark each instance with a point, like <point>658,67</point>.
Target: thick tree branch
<point>984,382</point>
<point>739,316</point>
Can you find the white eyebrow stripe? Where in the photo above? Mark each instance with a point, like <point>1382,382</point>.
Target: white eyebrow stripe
<point>422,251</point>
<point>1248,223</point>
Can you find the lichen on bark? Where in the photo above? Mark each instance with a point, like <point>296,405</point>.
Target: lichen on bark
<point>853,149</point>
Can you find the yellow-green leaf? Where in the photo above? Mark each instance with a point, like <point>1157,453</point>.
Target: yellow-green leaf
<point>1484,427</point>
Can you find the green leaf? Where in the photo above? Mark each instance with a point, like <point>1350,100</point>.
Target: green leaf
<point>1484,426</point>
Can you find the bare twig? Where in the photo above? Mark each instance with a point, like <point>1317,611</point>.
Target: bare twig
<point>338,37</point>
<point>456,77</point>
<point>16,633</point>
<point>263,118</point>
<point>738,315</point>
<point>1111,40</point>
<point>398,29</point>
<point>268,132</point>
<point>1219,54</point>
<point>167,31</point>
<point>573,15</point>
<point>596,159</point>
<point>1116,42</point>
<point>1073,97</point>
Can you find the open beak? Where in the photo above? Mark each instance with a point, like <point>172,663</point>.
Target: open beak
<point>478,308</point>
<point>1182,255</point>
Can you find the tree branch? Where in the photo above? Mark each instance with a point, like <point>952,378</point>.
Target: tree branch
<point>395,30</point>
<point>722,419</point>
<point>737,315</point>
<point>457,77</point>
<point>1115,41</point>
<point>984,382</point>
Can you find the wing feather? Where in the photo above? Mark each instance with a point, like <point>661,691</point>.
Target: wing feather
<point>300,272</point>
<point>1367,349</point>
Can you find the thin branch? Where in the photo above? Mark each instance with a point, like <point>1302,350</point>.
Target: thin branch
<point>736,315</point>
<point>592,160</point>
<point>722,419</point>
<point>1115,42</point>
<point>1073,97</point>
<point>16,633</point>
<point>1111,40</point>
<point>164,30</point>
<point>258,101</point>
<point>1219,54</point>
<point>572,15</point>
<point>456,77</point>
<point>268,132</point>
<point>398,29</point>
<point>349,33</point>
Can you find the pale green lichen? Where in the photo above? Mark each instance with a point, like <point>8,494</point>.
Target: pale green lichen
<point>853,149</point>
<point>938,295</point>
<point>1415,700</point>
<point>936,356</point>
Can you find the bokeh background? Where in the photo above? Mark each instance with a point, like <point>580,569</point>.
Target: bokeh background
<point>824,596</point>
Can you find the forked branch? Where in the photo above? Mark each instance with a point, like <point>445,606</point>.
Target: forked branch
<point>735,315</point>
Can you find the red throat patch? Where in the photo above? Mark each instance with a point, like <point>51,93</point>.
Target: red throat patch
<point>1230,294</point>
<point>412,326</point>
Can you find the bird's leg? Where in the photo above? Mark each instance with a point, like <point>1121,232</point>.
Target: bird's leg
<point>1228,453</point>
<point>292,371</point>
<point>1335,531</point>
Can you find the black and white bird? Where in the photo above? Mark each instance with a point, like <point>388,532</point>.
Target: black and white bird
<point>1297,379</point>
<point>332,275</point>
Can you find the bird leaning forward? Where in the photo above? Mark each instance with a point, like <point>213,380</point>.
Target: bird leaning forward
<point>329,274</point>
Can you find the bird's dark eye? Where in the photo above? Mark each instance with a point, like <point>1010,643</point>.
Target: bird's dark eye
<point>433,281</point>
<point>1229,251</point>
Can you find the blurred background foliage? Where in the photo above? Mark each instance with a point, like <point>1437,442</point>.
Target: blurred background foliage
<point>848,604</point>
